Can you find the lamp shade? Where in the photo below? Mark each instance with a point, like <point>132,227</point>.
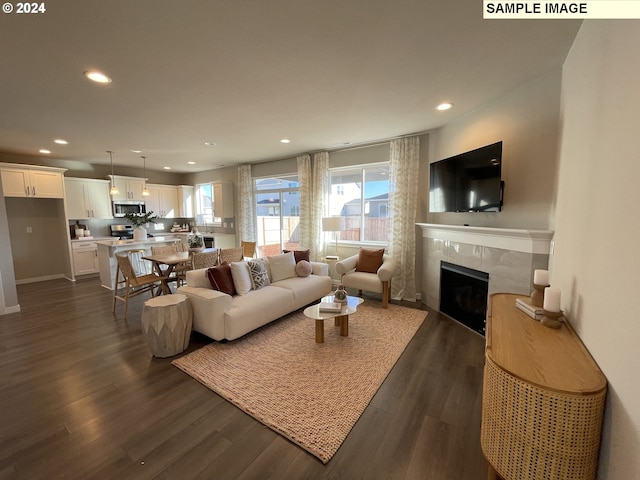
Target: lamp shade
<point>333,224</point>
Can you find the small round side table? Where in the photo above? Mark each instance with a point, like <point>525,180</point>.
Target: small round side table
<point>166,324</point>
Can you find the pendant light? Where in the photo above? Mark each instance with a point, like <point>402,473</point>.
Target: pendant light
<point>114,190</point>
<point>145,190</point>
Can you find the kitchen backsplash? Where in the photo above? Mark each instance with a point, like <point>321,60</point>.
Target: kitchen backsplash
<point>100,228</point>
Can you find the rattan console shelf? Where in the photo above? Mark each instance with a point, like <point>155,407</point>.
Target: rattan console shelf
<point>543,399</point>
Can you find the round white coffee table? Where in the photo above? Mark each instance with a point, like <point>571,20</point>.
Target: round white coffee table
<point>341,317</point>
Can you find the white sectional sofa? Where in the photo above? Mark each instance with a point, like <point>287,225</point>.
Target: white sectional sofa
<point>224,317</point>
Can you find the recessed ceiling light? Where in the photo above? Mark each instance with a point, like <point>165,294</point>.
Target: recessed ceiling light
<point>285,140</point>
<point>167,168</point>
<point>96,76</point>
<point>191,163</point>
<point>210,144</point>
<point>136,151</point>
<point>444,106</point>
<point>44,150</point>
<point>60,141</point>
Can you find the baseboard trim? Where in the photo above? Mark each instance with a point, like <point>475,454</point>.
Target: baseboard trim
<point>40,279</point>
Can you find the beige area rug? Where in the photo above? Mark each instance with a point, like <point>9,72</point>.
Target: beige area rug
<point>313,394</point>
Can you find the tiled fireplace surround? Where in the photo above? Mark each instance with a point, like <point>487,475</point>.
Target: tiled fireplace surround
<point>509,256</point>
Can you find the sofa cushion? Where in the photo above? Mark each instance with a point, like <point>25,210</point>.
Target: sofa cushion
<point>258,272</point>
<point>221,279</point>
<point>300,254</point>
<point>255,309</point>
<point>198,278</point>
<point>369,261</point>
<point>363,281</point>
<point>306,290</point>
<point>282,266</point>
<point>241,277</point>
<point>303,268</point>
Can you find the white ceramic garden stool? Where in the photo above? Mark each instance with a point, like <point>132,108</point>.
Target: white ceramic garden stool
<point>166,324</point>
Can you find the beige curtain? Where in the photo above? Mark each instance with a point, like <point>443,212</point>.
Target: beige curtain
<point>320,195</point>
<point>306,200</point>
<point>314,189</point>
<point>403,193</point>
<point>246,205</point>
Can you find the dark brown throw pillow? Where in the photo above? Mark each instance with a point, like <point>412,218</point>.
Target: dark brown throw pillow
<point>369,260</point>
<point>221,279</point>
<point>300,254</point>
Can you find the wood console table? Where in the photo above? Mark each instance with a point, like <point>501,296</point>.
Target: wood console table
<point>543,399</point>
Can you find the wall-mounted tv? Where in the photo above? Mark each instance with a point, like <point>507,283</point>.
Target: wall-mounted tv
<point>469,182</point>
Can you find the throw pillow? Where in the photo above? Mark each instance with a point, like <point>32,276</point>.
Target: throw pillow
<point>258,272</point>
<point>221,279</point>
<point>241,277</point>
<point>303,268</point>
<point>369,260</point>
<point>282,266</point>
<point>300,254</point>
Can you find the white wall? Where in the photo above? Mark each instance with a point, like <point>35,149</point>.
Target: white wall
<point>597,223</point>
<point>526,120</point>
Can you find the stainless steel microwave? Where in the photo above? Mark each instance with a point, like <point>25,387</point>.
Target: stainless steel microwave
<point>122,207</point>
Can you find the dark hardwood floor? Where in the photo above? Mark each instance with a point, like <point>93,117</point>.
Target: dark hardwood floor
<point>82,398</point>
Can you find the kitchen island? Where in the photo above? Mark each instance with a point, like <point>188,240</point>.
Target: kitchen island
<point>107,250</point>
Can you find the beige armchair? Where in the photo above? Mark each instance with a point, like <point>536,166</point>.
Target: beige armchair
<point>379,282</point>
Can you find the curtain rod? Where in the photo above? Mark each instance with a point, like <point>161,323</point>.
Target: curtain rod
<point>373,143</point>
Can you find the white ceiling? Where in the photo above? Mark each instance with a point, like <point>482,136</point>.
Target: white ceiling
<point>247,73</point>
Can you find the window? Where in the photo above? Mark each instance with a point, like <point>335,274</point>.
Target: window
<point>361,195</point>
<point>278,214</point>
<point>204,205</point>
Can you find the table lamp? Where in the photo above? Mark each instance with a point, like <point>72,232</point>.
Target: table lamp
<point>333,224</point>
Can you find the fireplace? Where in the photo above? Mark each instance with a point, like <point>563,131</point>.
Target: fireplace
<point>463,295</point>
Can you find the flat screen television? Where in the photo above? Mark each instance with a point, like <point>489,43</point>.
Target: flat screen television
<point>468,182</point>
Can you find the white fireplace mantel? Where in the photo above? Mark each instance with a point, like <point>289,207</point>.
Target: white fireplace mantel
<point>518,240</point>
<point>508,255</point>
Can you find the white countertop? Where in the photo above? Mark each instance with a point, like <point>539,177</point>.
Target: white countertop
<point>90,239</point>
<point>148,241</point>
<point>204,234</point>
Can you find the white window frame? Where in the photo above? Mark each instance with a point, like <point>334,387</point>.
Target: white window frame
<point>204,218</point>
<point>364,204</point>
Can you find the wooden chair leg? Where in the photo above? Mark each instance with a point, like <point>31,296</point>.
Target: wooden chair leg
<point>126,303</point>
<point>115,289</point>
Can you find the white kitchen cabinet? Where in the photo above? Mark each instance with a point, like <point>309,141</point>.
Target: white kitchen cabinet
<point>163,201</point>
<point>186,199</point>
<point>223,200</point>
<point>85,257</point>
<point>32,182</point>
<point>87,198</point>
<point>130,188</point>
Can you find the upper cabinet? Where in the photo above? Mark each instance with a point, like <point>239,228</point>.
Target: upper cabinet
<point>163,201</point>
<point>130,188</point>
<point>223,200</point>
<point>87,198</point>
<point>31,181</point>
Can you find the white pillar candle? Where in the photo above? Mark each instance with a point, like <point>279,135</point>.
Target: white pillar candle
<point>551,299</point>
<point>541,277</point>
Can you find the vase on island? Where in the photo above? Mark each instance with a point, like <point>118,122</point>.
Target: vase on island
<point>139,233</point>
<point>195,241</point>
